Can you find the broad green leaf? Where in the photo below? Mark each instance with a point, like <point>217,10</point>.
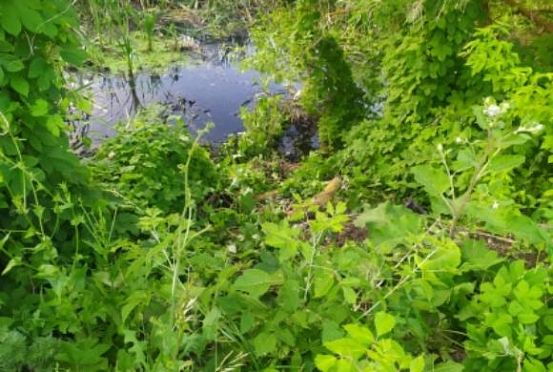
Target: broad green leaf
<point>288,295</point>
<point>37,67</point>
<point>211,323</point>
<point>39,108</point>
<point>323,282</point>
<point>73,56</point>
<point>466,159</point>
<point>265,343</point>
<point>502,323</point>
<point>514,139</point>
<point>13,64</point>
<point>346,347</point>
<point>360,334</point>
<point>390,225</point>
<point>325,362</point>
<point>417,364</point>
<point>345,365</point>
<point>55,124</point>
<point>247,321</point>
<point>254,282</point>
<point>505,163</point>
<point>384,323</point>
<point>481,119</point>
<point>349,295</point>
<point>30,18</point>
<point>435,181</point>
<point>20,85</point>
<point>446,257</point>
<point>9,18</point>
<point>331,331</point>
<point>449,366</point>
<point>476,256</point>
<point>283,237</point>
<point>525,228</point>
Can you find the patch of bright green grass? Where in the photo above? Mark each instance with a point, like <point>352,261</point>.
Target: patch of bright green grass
<point>165,52</point>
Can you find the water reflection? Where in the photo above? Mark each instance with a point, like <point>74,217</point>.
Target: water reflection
<point>211,89</point>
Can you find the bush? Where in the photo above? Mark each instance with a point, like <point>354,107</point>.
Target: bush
<point>145,165</point>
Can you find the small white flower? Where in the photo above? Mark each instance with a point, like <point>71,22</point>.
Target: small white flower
<point>459,140</point>
<point>440,147</point>
<point>492,111</point>
<point>111,155</point>
<point>495,205</point>
<point>231,248</point>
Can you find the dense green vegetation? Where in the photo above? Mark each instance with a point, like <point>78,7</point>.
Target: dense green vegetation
<point>417,238</point>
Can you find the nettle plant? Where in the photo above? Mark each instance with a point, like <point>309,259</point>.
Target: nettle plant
<point>470,182</point>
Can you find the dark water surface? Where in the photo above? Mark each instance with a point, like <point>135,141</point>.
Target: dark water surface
<point>211,88</point>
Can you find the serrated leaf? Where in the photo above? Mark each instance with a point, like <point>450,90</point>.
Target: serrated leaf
<point>254,282</point>
<point>435,181</point>
<point>136,298</point>
<point>384,323</point>
<point>283,237</point>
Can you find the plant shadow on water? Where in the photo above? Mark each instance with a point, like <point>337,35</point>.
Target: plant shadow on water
<point>210,89</point>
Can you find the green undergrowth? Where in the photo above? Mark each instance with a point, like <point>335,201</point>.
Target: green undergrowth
<point>417,238</point>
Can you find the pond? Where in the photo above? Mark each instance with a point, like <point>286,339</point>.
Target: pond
<point>210,88</point>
